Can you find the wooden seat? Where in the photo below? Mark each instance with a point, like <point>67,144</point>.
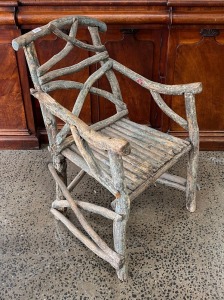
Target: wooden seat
<point>152,154</point>
<point>123,156</point>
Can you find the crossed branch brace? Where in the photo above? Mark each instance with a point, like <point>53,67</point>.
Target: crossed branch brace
<point>98,246</point>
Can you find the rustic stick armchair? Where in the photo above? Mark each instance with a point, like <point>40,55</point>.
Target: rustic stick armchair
<point>123,156</point>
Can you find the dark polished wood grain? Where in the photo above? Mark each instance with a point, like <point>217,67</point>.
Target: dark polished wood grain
<point>16,120</point>
<point>198,55</point>
<point>112,14</point>
<point>198,3</point>
<point>94,2</point>
<point>168,41</point>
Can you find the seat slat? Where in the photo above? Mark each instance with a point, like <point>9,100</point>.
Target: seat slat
<point>103,162</point>
<point>140,147</point>
<point>145,140</point>
<point>153,138</point>
<point>134,180</point>
<point>132,162</point>
<point>136,149</point>
<point>160,134</point>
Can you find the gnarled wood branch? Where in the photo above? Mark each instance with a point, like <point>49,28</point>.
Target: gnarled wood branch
<point>68,84</point>
<point>110,73</point>
<point>25,39</point>
<point>59,56</point>
<point>95,237</point>
<point>165,89</point>
<point>73,69</point>
<point>92,137</point>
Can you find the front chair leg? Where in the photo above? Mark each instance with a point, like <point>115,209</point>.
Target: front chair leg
<point>191,188</point>
<point>60,164</point>
<point>119,230</point>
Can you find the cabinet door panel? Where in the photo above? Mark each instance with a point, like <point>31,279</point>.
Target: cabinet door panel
<point>197,58</point>
<point>12,113</point>
<point>16,119</point>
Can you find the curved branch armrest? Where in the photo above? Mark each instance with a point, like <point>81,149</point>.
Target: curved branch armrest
<point>25,39</point>
<point>92,137</point>
<point>157,88</point>
<point>160,88</point>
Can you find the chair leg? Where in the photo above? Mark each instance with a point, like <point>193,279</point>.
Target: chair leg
<point>119,231</point>
<point>191,187</point>
<point>60,164</point>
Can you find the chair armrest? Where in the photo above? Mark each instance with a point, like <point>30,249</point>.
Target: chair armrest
<point>158,88</point>
<point>91,136</point>
<point>178,89</point>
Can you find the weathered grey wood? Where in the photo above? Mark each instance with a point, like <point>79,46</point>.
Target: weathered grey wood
<point>33,63</point>
<point>72,69</point>
<point>158,173</point>
<point>168,111</point>
<point>76,180</point>
<point>135,148</point>
<point>86,241</point>
<point>76,158</point>
<point>122,208</point>
<point>59,161</point>
<point>60,55</point>
<point>136,143</point>
<point>174,181</point>
<point>152,138</point>
<point>109,214</point>
<point>122,156</point>
<point>110,73</point>
<point>180,89</point>
<point>192,166</point>
<point>158,155</point>
<point>85,151</point>
<point>134,175</point>
<point>177,179</point>
<point>87,85</point>
<point>171,184</point>
<point>144,141</point>
<point>49,119</point>
<point>174,178</point>
<point>94,236</point>
<point>92,137</point>
<point>60,165</point>
<point>74,41</point>
<point>130,164</point>
<point>89,158</point>
<point>161,135</point>
<point>82,95</point>
<point>101,124</point>
<point>66,84</point>
<point>68,141</point>
<point>33,35</point>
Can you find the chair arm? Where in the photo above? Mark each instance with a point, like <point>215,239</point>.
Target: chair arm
<point>160,88</point>
<point>91,136</point>
<point>36,33</point>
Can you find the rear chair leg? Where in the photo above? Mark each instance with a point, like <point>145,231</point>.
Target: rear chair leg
<point>119,231</point>
<point>191,188</point>
<point>60,164</point>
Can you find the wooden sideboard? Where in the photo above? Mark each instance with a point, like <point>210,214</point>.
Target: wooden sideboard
<point>176,41</point>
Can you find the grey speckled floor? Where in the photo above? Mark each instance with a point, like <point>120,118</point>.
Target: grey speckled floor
<point>172,254</point>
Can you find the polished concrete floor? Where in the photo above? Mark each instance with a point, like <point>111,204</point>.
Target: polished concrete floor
<point>173,254</point>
